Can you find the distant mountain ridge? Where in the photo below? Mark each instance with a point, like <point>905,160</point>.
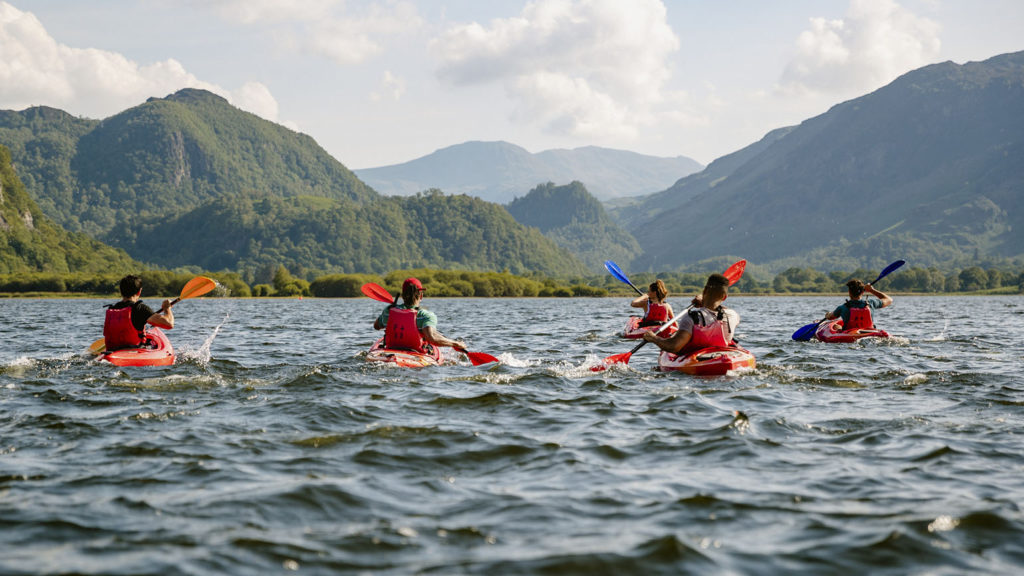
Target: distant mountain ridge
<point>929,168</point>
<point>501,171</point>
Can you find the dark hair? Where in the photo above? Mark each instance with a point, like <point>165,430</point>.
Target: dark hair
<point>718,280</point>
<point>856,287</point>
<point>130,285</point>
<point>409,292</point>
<point>716,286</point>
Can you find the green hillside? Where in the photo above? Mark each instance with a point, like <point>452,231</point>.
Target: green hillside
<point>929,168</point>
<point>577,222</point>
<point>31,242</point>
<point>254,233</point>
<point>163,158</point>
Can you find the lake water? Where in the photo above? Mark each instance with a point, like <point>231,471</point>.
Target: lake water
<point>272,447</point>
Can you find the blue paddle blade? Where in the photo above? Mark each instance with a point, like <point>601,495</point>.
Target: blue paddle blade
<point>805,333</point>
<point>888,270</point>
<point>614,270</point>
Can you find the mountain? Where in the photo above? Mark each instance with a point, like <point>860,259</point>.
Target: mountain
<point>254,233</point>
<point>30,242</point>
<point>162,158</point>
<point>576,221</point>
<point>929,168</point>
<point>499,171</point>
<point>189,180</point>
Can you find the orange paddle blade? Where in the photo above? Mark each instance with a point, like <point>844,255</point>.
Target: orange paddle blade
<point>195,287</point>
<point>477,358</point>
<point>613,359</point>
<point>734,272</point>
<point>98,347</point>
<point>377,292</point>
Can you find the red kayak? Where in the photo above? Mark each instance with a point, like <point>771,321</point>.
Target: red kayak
<point>833,332</point>
<point>404,358</point>
<point>157,351</point>
<point>634,331</point>
<point>713,361</point>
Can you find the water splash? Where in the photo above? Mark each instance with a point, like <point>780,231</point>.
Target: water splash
<point>202,355</point>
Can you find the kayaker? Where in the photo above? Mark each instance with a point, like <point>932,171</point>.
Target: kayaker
<point>125,322</point>
<point>855,312</point>
<point>656,310</point>
<point>707,324</point>
<point>407,326</point>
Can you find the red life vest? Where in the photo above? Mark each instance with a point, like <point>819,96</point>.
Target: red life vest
<point>401,332</point>
<point>860,318</point>
<point>657,313</point>
<point>118,330</point>
<point>713,334</point>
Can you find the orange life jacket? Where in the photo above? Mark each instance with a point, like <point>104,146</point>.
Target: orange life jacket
<point>657,313</point>
<point>860,316</point>
<point>401,332</point>
<point>118,330</point>
<point>705,336</point>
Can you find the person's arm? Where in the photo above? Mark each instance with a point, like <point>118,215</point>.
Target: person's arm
<point>640,301</point>
<point>886,300</point>
<point>668,307</point>
<point>671,344</point>
<point>430,334</point>
<point>164,318</point>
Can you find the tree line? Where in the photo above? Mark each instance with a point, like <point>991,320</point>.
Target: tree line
<point>464,283</point>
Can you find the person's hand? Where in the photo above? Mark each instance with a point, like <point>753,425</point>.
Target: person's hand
<point>459,345</point>
<point>166,306</point>
<point>698,300</point>
<point>649,336</point>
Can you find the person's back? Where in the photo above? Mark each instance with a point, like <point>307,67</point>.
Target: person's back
<point>125,321</point>
<point>708,324</point>
<point>856,312</point>
<point>425,321</point>
<point>656,309</point>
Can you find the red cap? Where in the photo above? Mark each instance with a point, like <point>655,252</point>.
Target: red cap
<point>411,282</point>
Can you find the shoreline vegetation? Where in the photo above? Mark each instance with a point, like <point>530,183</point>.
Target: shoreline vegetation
<point>461,283</point>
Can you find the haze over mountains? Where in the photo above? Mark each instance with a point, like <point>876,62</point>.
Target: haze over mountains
<point>500,171</point>
<point>929,168</point>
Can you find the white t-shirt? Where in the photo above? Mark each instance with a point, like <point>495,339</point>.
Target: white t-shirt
<point>730,320</point>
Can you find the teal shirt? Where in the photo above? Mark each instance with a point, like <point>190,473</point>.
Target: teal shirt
<point>424,317</point>
<point>843,311</point>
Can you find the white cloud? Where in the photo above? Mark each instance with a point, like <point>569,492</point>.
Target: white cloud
<point>253,11</point>
<point>391,88</point>
<point>591,68</point>
<point>328,28</point>
<point>37,70</point>
<point>875,42</point>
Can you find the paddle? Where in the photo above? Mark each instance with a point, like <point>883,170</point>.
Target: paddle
<point>806,332</point>
<point>195,287</point>
<point>614,270</point>
<point>379,293</point>
<point>733,273</point>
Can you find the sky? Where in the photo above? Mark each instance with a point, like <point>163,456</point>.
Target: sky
<point>380,82</point>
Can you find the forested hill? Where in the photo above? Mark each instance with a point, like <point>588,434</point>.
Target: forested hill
<point>255,233</point>
<point>31,242</point>
<point>929,168</point>
<point>162,158</point>
<point>576,221</point>
<point>500,171</point>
